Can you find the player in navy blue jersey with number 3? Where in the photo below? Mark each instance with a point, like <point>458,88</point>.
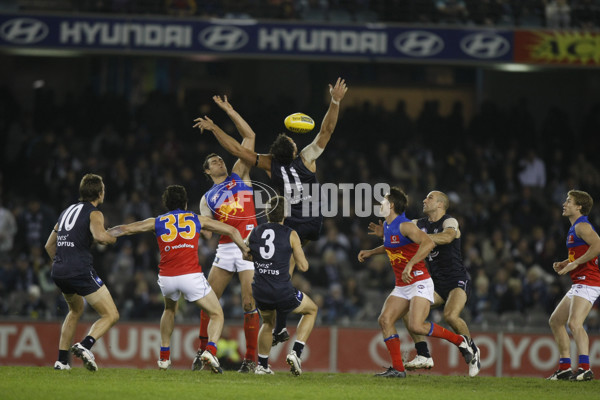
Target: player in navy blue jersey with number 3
<point>293,173</point>
<point>271,246</point>
<point>72,270</point>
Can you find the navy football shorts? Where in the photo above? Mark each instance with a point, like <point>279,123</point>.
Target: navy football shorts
<point>284,306</point>
<point>81,284</point>
<point>448,284</point>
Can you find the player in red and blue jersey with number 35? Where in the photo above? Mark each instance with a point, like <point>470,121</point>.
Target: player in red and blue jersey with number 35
<point>583,244</point>
<point>177,234</point>
<point>407,246</point>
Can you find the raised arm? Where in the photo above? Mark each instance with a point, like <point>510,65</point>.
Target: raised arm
<point>232,146</point>
<point>298,253</point>
<point>97,228</point>
<point>241,168</point>
<point>146,225</point>
<point>311,152</point>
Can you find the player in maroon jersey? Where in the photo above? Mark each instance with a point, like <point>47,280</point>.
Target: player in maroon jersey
<point>231,201</point>
<point>583,245</point>
<point>407,246</point>
<point>177,234</point>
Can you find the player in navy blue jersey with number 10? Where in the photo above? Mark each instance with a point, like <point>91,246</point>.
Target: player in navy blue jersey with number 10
<point>73,272</point>
<point>271,246</point>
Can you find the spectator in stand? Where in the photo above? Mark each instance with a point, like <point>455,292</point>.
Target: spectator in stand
<point>558,14</point>
<point>451,11</point>
<point>8,230</point>
<point>533,170</point>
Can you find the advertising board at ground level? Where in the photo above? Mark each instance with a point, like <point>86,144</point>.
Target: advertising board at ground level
<point>333,349</point>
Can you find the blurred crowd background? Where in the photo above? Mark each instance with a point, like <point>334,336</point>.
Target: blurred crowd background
<point>527,13</point>
<point>506,173</point>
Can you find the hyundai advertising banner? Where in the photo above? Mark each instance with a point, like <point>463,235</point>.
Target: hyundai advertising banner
<point>252,39</point>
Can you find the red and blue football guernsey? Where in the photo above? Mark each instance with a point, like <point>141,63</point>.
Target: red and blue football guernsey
<point>177,233</point>
<point>588,273</point>
<point>401,250</point>
<point>232,202</point>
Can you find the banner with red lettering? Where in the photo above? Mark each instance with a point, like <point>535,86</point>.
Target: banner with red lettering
<point>333,349</point>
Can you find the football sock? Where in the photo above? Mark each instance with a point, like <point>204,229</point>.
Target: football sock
<point>298,347</point>
<point>165,353</point>
<point>251,326</point>
<point>63,356</point>
<point>393,345</point>
<point>263,361</point>
<point>564,363</point>
<point>584,362</point>
<point>204,320</point>
<point>439,332</point>
<point>88,342</point>
<point>280,322</point>
<point>211,347</point>
<point>422,349</point>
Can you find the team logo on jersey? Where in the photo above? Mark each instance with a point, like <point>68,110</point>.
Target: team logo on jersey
<point>395,239</point>
<point>396,257</point>
<point>231,184</point>
<point>167,248</point>
<point>570,239</point>
<point>229,208</point>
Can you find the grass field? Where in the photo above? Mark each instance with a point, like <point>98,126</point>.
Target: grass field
<point>118,383</point>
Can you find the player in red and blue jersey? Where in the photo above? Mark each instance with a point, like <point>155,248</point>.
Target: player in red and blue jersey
<point>292,172</point>
<point>407,246</point>
<point>231,201</point>
<point>177,234</point>
<point>583,245</point>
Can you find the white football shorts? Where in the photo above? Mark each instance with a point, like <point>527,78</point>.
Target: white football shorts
<point>422,288</point>
<point>590,293</point>
<point>193,286</point>
<point>229,257</point>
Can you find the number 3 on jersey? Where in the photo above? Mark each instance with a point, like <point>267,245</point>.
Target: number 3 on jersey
<point>268,248</point>
<point>182,226</point>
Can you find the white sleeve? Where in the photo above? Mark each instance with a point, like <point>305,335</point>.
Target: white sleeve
<point>311,152</point>
<point>450,223</point>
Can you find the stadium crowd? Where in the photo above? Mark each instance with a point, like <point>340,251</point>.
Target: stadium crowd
<point>506,178</point>
<point>583,14</point>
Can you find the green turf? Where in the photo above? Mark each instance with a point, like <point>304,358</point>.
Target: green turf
<point>117,383</point>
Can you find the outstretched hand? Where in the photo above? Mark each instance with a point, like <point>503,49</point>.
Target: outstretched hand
<point>204,123</point>
<point>338,91</point>
<point>223,103</point>
<point>376,229</point>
